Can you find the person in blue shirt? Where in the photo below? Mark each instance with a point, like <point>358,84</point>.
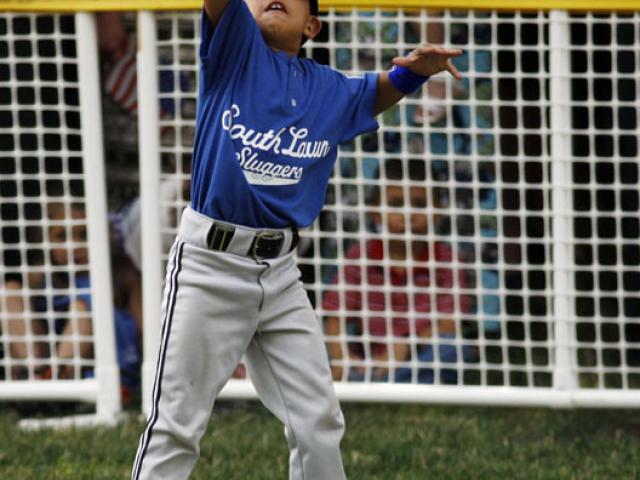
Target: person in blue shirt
<point>268,127</point>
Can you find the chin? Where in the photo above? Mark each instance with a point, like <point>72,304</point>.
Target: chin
<point>272,23</point>
<point>275,32</point>
<point>270,32</point>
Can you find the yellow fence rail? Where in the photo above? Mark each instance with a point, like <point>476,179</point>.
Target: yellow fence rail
<point>106,5</point>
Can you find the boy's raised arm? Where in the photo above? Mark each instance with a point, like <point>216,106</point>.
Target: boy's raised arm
<point>411,72</point>
<point>214,9</point>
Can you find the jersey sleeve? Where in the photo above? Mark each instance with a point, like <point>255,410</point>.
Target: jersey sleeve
<point>223,48</point>
<point>356,98</point>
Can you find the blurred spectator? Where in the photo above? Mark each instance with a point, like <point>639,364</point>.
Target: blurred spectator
<point>434,110</point>
<point>127,311</point>
<point>71,328</point>
<point>440,120</point>
<point>436,114</point>
<point>65,315</point>
<point>17,327</point>
<point>392,339</point>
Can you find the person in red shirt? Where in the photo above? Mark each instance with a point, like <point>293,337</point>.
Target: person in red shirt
<point>388,301</point>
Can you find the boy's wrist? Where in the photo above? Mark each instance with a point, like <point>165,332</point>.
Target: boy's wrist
<point>406,80</point>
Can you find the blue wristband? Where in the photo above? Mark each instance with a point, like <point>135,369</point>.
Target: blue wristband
<point>406,80</point>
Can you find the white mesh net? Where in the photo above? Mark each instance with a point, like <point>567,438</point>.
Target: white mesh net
<point>432,260</point>
<point>605,207</point>
<point>45,303</point>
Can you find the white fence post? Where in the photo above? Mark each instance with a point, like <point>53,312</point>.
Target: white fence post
<point>107,372</point>
<point>152,276</point>
<point>560,96</point>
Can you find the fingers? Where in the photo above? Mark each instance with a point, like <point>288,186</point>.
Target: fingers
<point>425,51</point>
<point>451,68</point>
<point>409,62</point>
<point>429,60</point>
<point>444,52</point>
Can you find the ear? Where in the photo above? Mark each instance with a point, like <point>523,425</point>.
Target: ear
<point>313,27</point>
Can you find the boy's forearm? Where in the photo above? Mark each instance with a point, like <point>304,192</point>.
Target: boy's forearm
<point>386,95</point>
<point>332,329</point>
<point>214,9</point>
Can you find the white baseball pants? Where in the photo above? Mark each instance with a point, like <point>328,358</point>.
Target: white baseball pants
<point>216,307</point>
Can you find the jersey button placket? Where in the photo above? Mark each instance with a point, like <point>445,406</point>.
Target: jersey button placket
<point>296,81</point>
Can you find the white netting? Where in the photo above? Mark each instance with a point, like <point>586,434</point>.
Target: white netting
<point>605,207</point>
<point>45,304</point>
<point>422,248</point>
<point>432,260</point>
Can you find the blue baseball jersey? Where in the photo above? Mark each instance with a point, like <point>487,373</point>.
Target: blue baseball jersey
<point>268,126</point>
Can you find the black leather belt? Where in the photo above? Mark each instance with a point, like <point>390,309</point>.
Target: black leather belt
<point>265,244</point>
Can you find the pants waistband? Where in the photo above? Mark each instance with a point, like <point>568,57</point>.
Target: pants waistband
<point>227,237</point>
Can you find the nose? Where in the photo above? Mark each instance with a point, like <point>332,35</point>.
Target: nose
<point>80,256</point>
<point>395,222</point>
<point>418,223</point>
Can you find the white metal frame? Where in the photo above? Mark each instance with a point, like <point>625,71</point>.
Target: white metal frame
<point>149,193</point>
<point>565,391</point>
<point>561,178</point>
<point>104,388</point>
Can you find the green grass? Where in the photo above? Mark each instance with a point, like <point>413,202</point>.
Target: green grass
<point>382,442</point>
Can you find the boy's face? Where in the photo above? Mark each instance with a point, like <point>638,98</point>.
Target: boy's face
<point>58,237</point>
<point>417,199</point>
<point>283,23</point>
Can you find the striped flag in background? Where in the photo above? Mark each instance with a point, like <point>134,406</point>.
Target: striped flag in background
<point>121,78</point>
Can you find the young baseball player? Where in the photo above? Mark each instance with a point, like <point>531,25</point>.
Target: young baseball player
<point>268,127</point>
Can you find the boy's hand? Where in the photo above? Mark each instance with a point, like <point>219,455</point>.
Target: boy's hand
<point>428,60</point>
<point>425,60</point>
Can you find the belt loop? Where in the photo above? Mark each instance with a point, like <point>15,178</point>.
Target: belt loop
<point>219,236</point>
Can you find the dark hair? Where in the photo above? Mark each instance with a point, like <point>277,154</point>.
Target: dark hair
<point>314,7</point>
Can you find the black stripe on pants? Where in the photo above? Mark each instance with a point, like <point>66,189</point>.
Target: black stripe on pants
<point>157,385</point>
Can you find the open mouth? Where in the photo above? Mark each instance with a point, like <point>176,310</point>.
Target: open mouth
<point>276,7</point>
